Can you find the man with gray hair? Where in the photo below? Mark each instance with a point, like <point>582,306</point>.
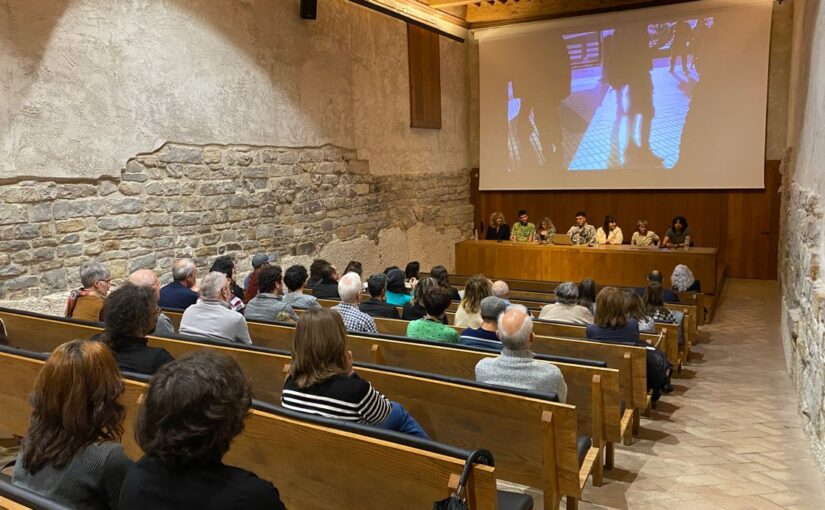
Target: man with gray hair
<point>182,292</point>
<point>86,303</point>
<point>502,291</point>
<point>515,366</point>
<point>485,336</point>
<point>566,308</point>
<point>211,316</point>
<point>148,278</point>
<point>349,288</point>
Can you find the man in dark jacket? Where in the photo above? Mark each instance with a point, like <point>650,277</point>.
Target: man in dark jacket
<point>377,305</point>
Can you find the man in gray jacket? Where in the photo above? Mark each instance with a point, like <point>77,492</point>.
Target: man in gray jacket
<point>211,316</point>
<point>515,367</point>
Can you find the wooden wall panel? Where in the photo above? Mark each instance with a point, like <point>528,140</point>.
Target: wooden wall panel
<point>743,224</point>
<point>425,77</point>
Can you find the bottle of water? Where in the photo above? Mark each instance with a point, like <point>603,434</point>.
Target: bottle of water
<point>475,234</point>
<point>687,242</point>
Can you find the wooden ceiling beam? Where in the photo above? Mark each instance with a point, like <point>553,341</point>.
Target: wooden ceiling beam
<point>440,4</point>
<point>485,13</point>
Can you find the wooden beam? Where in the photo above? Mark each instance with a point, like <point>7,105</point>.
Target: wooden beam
<point>440,4</point>
<point>421,15</point>
<point>480,14</point>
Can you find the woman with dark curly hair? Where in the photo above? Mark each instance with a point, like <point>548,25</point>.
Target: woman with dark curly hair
<point>678,235</point>
<point>130,314</point>
<point>71,452</point>
<point>194,408</point>
<point>443,278</point>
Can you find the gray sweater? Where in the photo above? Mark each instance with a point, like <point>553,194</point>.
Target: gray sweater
<point>90,481</point>
<point>518,369</point>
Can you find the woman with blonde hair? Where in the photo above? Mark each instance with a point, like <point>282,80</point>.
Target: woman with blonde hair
<point>644,237</point>
<point>468,314</point>
<point>71,453</point>
<point>545,230</point>
<point>498,230</point>
<point>323,382</point>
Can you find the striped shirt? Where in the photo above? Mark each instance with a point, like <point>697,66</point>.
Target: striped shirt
<point>340,397</point>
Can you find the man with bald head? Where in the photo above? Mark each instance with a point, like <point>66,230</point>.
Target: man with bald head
<point>148,278</point>
<point>502,291</point>
<point>515,367</point>
<point>182,292</point>
<point>656,276</point>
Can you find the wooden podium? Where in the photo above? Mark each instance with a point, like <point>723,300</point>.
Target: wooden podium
<point>624,265</point>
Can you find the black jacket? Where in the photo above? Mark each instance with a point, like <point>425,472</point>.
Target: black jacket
<point>378,308</point>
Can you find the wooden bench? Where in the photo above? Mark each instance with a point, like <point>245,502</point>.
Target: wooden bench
<point>13,497</point>
<point>363,467</point>
<point>459,413</point>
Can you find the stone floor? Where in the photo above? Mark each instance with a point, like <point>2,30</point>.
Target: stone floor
<point>729,437</point>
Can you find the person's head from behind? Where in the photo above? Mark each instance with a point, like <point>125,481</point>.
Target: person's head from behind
<point>146,278</point>
<point>354,267</point>
<point>581,218</point>
<point>587,291</point>
<point>497,219</point>
<point>424,285</point>
<point>269,280</point>
<point>491,308</point>
<point>194,408</point>
<point>130,311</point>
<point>395,282</point>
<point>315,269</point>
<point>215,287</point>
<point>609,223</point>
<point>436,301</point>
<point>441,275</point>
<point>349,288</point>
<point>390,268</point>
<point>655,276</point>
<point>682,278</point>
<point>611,308</point>
<point>319,348</point>
<point>634,308</point>
<point>679,224</point>
<point>501,290</point>
<point>477,288</point>
<point>641,227</point>
<point>226,265</point>
<point>654,297</point>
<point>377,285</point>
<point>412,270</point>
<point>328,273</point>
<point>523,217</point>
<point>515,328</point>
<point>186,272</point>
<point>96,277</point>
<point>295,277</point>
<point>260,260</point>
<point>567,293</point>
<point>74,404</point>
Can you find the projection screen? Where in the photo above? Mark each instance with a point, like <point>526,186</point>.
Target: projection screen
<point>671,97</point>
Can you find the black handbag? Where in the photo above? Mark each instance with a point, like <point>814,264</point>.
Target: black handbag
<point>458,500</point>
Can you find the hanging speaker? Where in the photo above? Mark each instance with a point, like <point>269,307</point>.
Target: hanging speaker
<point>309,9</point>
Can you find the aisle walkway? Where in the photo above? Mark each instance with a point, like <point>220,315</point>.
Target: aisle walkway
<point>729,437</point>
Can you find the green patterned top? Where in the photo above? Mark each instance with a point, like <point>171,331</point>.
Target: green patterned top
<point>431,330</point>
<point>523,233</point>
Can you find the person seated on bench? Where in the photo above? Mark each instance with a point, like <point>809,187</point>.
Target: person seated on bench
<point>295,278</point>
<point>515,367</point>
<point>71,453</point>
<point>194,408</point>
<point>148,278</point>
<point>397,292</point>
<point>468,313</point>
<point>682,280</point>
<point>129,316</point>
<point>349,287</point>
<point>656,276</point>
<point>226,264</point>
<point>432,327</point>
<point>587,294</point>
<point>87,303</point>
<point>566,309</point>
<point>250,283</point>
<point>315,272</point>
<point>181,293</point>
<point>636,310</point>
<point>211,316</point>
<point>323,382</point>
<point>502,291</point>
<point>485,336</point>
<point>443,278</point>
<point>377,305</point>
<point>327,287</point>
<point>268,305</point>
<point>655,303</point>
<point>415,308</point>
<point>412,273</point>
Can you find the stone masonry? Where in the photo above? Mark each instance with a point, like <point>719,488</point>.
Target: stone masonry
<point>205,201</point>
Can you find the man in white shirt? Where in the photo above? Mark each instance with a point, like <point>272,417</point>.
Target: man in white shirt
<point>211,317</point>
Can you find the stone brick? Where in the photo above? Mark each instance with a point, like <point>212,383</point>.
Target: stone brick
<point>130,188</point>
<point>120,222</point>
<point>54,279</point>
<point>21,282</point>
<point>106,188</point>
<point>11,214</point>
<point>10,271</point>
<point>181,154</point>
<point>73,191</point>
<point>78,208</point>
<point>126,206</point>
<point>145,261</point>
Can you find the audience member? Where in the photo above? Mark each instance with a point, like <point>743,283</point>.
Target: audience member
<point>443,278</point>
<point>250,284</point>
<point>644,237</point>
<point>587,294</point>
<point>412,273</point>
<point>682,280</point>
<point>414,309</point>
<point>679,234</point>
<point>545,231</point>
<point>181,294</point>
<point>268,305</point>
<point>327,286</point>
<point>582,232</point>
<point>377,305</point>
<point>315,272</point>
<point>468,314</point>
<point>130,314</point>
<point>654,302</point>
<point>635,309</point>
<point>323,382</point>
<point>349,287</point>
<point>566,308</point>
<point>485,336</point>
<point>148,278</point>
<point>498,230</point>
<point>609,232</point>
<point>523,231</point>
<point>71,453</point>
<point>211,316</point>
<point>86,303</point>
<point>501,290</point>
<point>193,410</point>
<point>610,321</point>
<point>295,278</point>
<point>226,265</point>
<point>656,276</point>
<point>390,268</point>
<point>354,267</point>
<point>432,327</point>
<point>397,293</point>
<point>515,366</point>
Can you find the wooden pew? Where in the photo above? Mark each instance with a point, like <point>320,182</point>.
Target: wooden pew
<point>13,497</point>
<point>454,412</point>
<point>362,468</point>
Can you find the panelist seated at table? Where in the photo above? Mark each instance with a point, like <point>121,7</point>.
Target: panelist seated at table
<point>582,232</point>
<point>679,235</point>
<point>498,230</point>
<point>523,231</point>
<point>644,237</point>
<point>609,232</point>
<point>545,231</point>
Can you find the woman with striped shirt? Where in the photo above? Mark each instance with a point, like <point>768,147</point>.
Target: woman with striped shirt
<point>322,381</point>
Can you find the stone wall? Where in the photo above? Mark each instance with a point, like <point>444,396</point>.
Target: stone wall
<point>205,201</point>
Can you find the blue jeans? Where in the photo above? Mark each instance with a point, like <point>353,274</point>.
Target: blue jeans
<point>400,420</point>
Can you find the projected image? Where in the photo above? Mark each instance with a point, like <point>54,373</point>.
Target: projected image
<point>619,100</point>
